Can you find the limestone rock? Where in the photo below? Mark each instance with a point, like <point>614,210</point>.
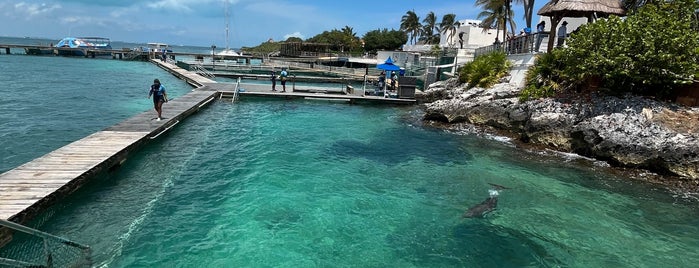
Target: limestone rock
<point>630,131</point>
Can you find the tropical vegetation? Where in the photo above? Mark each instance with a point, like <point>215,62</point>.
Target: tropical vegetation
<point>653,51</point>
<point>496,15</point>
<point>485,71</point>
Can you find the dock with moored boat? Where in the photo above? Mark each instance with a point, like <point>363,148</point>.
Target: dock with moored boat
<point>29,189</point>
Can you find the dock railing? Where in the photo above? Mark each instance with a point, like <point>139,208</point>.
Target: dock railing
<point>200,70</point>
<point>35,248</point>
<point>517,45</point>
<point>236,92</point>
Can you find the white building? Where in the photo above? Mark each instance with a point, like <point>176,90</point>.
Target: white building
<point>473,35</point>
<point>469,31</point>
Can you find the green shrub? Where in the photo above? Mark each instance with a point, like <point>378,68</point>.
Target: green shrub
<point>484,71</point>
<point>650,52</point>
<point>545,78</point>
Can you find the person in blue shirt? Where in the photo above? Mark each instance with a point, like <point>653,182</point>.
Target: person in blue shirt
<point>283,76</point>
<point>159,97</point>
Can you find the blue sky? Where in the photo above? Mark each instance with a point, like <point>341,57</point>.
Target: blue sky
<point>202,22</point>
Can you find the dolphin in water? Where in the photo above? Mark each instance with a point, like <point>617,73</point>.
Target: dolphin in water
<point>488,205</point>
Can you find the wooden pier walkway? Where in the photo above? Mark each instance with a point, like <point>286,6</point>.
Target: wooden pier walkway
<point>27,190</point>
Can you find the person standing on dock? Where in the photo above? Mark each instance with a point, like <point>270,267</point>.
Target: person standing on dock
<point>159,97</point>
<point>284,76</point>
<point>274,81</point>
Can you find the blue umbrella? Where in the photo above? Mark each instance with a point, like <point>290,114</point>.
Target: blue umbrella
<point>388,65</point>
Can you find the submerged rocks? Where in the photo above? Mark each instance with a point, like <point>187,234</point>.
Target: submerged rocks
<point>629,132</point>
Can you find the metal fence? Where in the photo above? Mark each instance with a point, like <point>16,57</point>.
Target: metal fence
<point>516,45</point>
<point>34,248</point>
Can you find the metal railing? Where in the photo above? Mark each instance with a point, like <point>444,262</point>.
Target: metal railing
<point>516,45</point>
<point>200,70</point>
<point>42,249</point>
<point>236,91</point>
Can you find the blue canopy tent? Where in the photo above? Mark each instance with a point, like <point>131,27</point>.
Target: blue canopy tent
<point>388,66</point>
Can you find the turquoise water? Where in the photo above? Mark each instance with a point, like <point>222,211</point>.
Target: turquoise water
<point>276,183</point>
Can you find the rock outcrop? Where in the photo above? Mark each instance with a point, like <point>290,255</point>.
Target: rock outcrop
<point>629,132</point>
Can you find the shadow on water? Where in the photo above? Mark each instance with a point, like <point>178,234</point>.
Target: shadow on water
<point>400,145</point>
<point>473,243</point>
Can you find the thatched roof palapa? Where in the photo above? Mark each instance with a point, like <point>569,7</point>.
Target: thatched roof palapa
<point>582,8</point>
<point>590,9</point>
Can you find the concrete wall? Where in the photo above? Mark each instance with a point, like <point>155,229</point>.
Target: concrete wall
<point>473,35</point>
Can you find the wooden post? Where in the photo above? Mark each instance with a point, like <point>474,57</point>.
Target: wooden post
<point>552,33</point>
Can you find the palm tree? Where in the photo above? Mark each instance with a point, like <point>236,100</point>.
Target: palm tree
<point>410,24</point>
<point>428,27</point>
<point>448,26</point>
<point>350,37</point>
<point>528,11</point>
<point>495,16</point>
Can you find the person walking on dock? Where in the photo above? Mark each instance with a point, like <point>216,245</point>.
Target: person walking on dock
<point>274,81</point>
<point>284,76</point>
<point>159,97</point>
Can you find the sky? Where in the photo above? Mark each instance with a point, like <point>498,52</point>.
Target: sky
<point>203,22</point>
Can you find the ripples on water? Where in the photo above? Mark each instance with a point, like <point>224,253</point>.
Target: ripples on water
<point>270,183</point>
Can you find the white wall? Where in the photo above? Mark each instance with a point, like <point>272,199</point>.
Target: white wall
<point>473,35</point>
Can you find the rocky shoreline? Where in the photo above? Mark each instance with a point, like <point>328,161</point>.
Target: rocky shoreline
<point>630,132</point>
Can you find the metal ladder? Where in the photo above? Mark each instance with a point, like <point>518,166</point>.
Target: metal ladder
<point>52,251</point>
<point>236,90</point>
<point>200,70</point>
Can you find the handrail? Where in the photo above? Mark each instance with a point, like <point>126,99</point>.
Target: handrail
<point>200,70</point>
<point>237,89</point>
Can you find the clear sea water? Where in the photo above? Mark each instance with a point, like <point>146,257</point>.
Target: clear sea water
<point>278,183</point>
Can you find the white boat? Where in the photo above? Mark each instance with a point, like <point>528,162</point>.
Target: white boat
<point>158,47</point>
<point>227,52</point>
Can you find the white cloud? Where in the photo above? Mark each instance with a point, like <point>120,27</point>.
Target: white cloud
<point>31,10</point>
<point>184,6</point>
<point>295,34</point>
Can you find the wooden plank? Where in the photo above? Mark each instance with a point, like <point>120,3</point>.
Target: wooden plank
<point>6,182</point>
<point>29,174</point>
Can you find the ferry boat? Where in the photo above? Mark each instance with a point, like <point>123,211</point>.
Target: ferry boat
<point>79,46</point>
<point>159,47</point>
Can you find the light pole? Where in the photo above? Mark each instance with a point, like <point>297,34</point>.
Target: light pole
<point>213,61</point>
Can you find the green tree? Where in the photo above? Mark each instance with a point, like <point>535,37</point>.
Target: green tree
<point>651,52</point>
<point>384,40</point>
<point>351,40</point>
<point>429,25</point>
<point>492,17</point>
<point>495,16</point>
<point>263,49</point>
<point>294,39</point>
<point>410,24</point>
<point>448,25</point>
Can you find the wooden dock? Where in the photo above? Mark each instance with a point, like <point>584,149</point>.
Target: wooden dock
<point>27,190</point>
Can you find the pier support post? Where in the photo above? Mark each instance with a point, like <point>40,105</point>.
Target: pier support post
<point>7,50</point>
